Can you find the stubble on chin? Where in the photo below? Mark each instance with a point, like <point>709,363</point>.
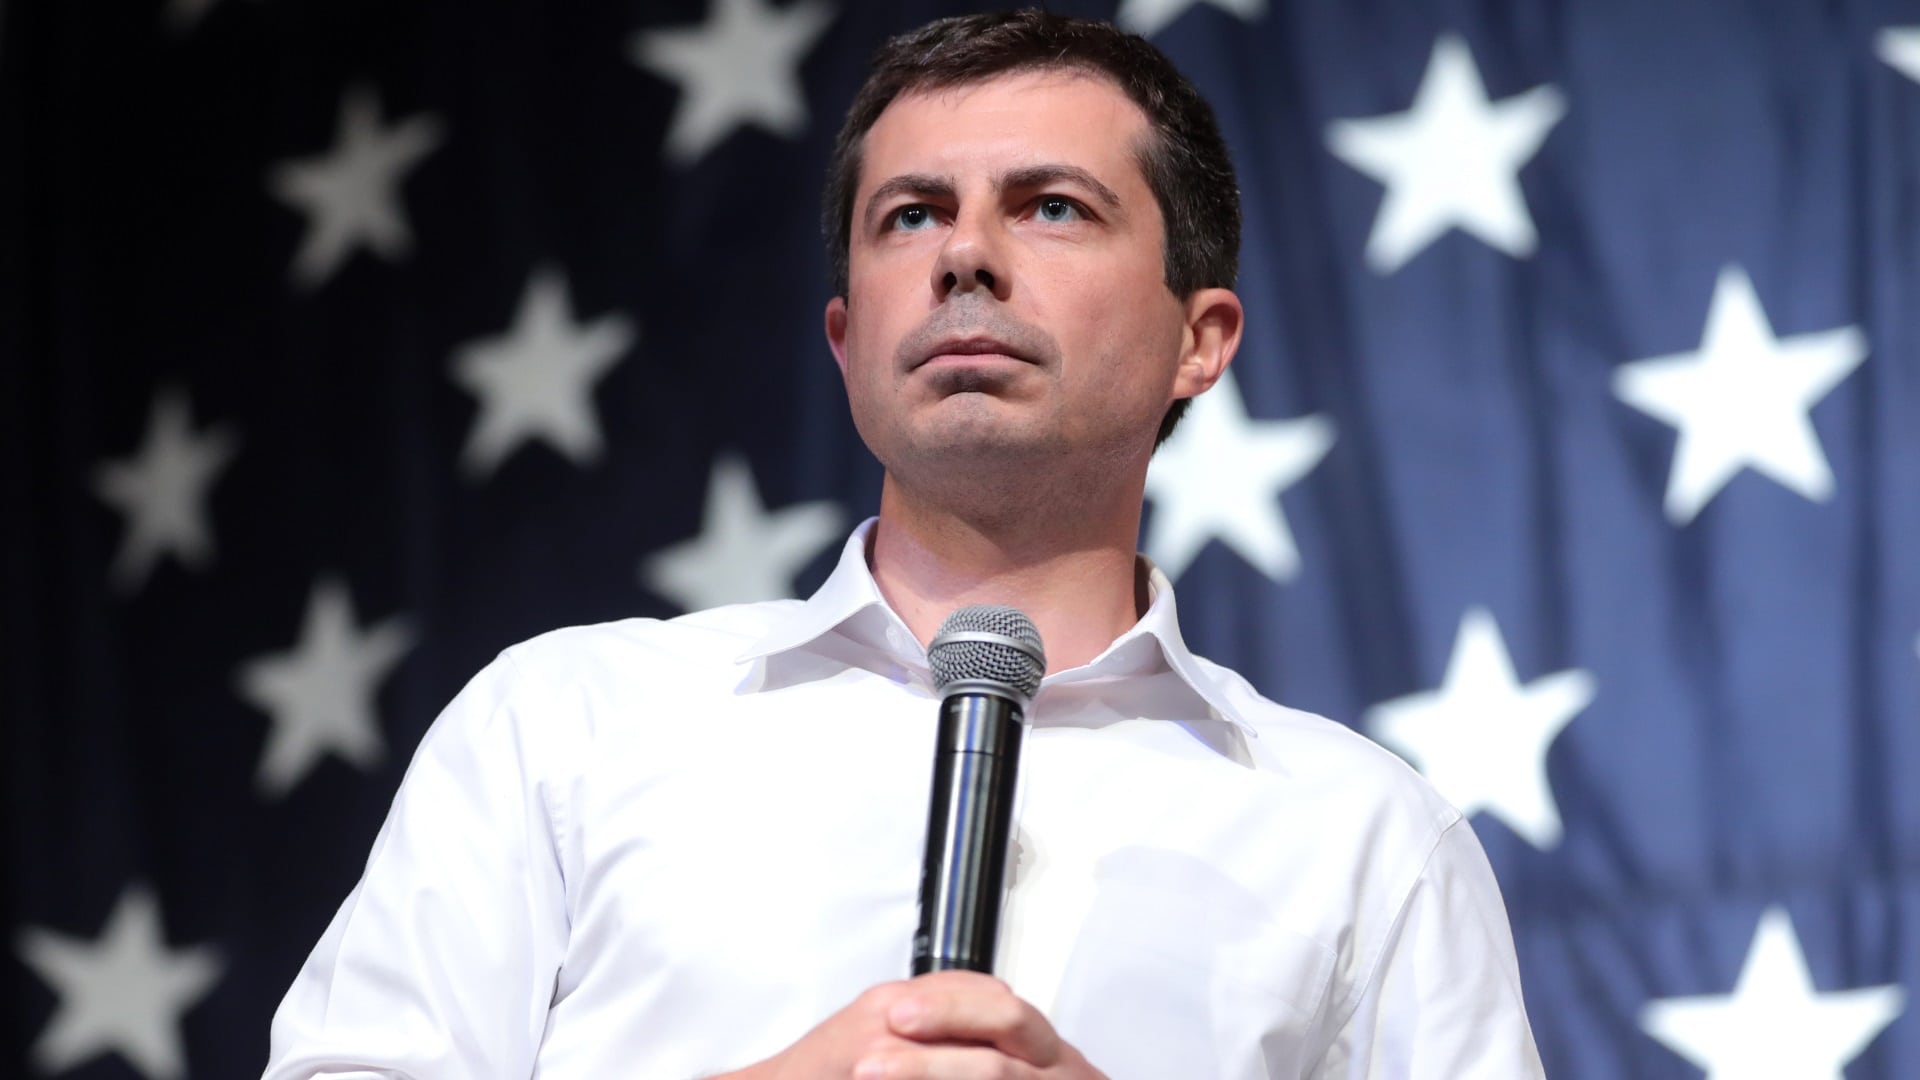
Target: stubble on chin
<point>969,430</point>
<point>1002,472</point>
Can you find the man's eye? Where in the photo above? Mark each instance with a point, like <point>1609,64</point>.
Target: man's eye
<point>1057,209</point>
<point>912,218</point>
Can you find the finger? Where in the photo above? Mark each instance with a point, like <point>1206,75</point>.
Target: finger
<point>945,1063</point>
<point>967,1007</point>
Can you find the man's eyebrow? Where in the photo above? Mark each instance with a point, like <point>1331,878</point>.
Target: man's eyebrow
<point>920,185</point>
<point>929,186</point>
<point>1038,176</point>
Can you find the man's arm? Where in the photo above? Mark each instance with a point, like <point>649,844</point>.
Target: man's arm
<point>1443,1001</point>
<point>442,961</point>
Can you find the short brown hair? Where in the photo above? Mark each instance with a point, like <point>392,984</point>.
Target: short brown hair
<point>1184,160</point>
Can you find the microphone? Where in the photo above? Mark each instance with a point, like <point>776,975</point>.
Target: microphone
<point>987,662</point>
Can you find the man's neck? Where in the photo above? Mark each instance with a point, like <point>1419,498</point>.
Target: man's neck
<point>1073,574</point>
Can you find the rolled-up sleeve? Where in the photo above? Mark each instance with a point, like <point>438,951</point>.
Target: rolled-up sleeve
<point>1443,1001</point>
<point>442,961</point>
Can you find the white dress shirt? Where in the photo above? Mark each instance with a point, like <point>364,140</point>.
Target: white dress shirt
<point>668,849</point>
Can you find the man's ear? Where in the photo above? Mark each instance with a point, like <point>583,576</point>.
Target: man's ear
<point>1214,322</point>
<point>837,332</point>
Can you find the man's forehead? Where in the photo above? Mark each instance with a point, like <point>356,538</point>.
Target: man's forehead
<point>1044,112</point>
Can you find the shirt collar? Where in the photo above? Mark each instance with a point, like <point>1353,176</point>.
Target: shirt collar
<point>1154,644</point>
<point>850,595</point>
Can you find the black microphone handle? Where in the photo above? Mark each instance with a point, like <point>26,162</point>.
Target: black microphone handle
<point>976,762</point>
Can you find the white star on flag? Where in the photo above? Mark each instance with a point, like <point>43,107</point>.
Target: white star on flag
<point>1149,17</point>
<point>319,695</point>
<point>1741,400</point>
<point>162,489</point>
<point>351,194</point>
<point>1900,47</point>
<point>1482,738</point>
<point>1452,160</point>
<point>1220,476</point>
<point>123,992</point>
<point>537,380</point>
<point>741,66</point>
<point>743,552</point>
<point>1774,1024</point>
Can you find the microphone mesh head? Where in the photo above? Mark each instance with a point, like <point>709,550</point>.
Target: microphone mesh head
<point>957,654</point>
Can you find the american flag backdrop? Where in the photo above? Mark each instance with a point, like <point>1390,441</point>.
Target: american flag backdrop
<point>1573,453</point>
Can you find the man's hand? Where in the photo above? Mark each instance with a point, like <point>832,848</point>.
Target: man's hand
<point>950,1025</point>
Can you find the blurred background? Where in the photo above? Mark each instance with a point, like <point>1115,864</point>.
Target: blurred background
<point>1573,452</point>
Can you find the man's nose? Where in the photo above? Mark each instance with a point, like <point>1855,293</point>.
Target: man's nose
<point>973,257</point>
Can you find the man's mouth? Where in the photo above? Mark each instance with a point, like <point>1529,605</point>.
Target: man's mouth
<point>974,349</point>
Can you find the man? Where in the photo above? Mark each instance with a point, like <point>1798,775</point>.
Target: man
<point>676,849</point>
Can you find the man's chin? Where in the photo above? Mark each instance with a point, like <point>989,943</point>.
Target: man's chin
<point>976,439</point>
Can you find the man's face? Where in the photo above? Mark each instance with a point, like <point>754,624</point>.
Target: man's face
<point>1006,296</point>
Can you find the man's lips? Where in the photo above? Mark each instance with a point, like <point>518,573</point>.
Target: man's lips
<point>965,349</point>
